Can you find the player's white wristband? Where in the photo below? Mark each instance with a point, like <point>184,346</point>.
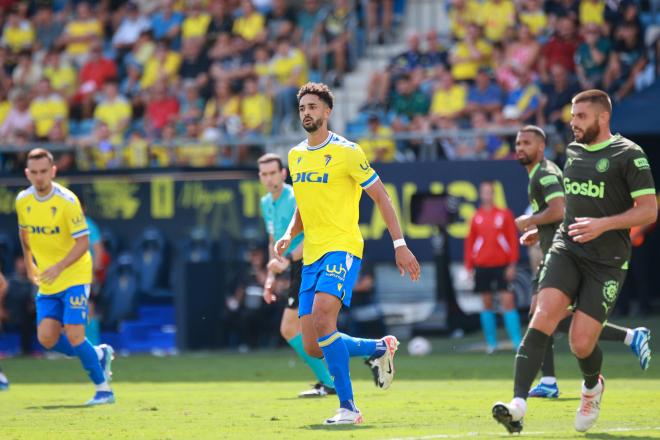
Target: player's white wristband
<point>398,243</point>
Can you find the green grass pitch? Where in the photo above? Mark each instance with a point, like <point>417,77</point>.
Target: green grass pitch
<point>220,395</point>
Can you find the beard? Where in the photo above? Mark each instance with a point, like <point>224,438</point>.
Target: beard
<point>524,160</point>
<point>588,135</point>
<point>311,127</point>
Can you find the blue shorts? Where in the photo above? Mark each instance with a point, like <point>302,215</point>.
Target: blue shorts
<point>68,307</point>
<point>334,273</point>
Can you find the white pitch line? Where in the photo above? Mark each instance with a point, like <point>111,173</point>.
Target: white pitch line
<point>526,433</point>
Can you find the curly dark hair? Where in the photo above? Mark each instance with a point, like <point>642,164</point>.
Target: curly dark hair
<point>319,89</point>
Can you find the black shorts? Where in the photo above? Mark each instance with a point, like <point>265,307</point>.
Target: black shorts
<point>490,279</point>
<point>295,274</point>
<point>535,280</point>
<point>592,287</point>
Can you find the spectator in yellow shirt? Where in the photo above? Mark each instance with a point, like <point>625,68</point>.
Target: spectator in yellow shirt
<point>47,109</point>
<point>63,77</point>
<point>288,68</point>
<point>136,152</point>
<point>470,54</point>
<point>534,17</point>
<point>251,25</point>
<point>196,22</point>
<point>81,32</point>
<point>17,34</point>
<point>222,111</point>
<point>378,143</point>
<point>462,13</point>
<point>5,105</point>
<point>449,99</point>
<point>592,12</point>
<point>496,17</point>
<point>114,110</point>
<point>256,108</point>
<point>164,64</point>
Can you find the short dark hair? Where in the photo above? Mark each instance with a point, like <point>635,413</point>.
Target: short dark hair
<point>533,129</point>
<point>40,153</point>
<point>490,182</point>
<point>271,157</point>
<point>594,96</point>
<point>319,89</point>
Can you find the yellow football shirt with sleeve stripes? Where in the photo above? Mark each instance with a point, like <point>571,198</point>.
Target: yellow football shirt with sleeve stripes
<point>328,180</point>
<point>53,223</point>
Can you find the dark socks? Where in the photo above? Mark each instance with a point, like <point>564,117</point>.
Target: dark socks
<point>528,361</point>
<point>591,366</point>
<point>613,332</point>
<point>548,367</point>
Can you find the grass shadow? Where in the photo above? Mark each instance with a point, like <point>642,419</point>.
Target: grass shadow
<point>49,407</point>
<point>322,427</point>
<point>606,436</point>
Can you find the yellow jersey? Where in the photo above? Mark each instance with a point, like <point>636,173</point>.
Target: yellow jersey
<point>194,27</point>
<point>592,13</point>
<point>328,180</point>
<point>381,139</point>
<point>53,223</point>
<point>20,37</point>
<point>449,102</point>
<point>256,111</point>
<point>47,111</point>
<point>154,70</point>
<point>250,26</point>
<point>79,28</point>
<point>496,18</point>
<point>113,113</point>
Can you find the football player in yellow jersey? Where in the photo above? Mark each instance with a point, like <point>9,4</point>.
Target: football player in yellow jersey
<point>54,237</point>
<point>329,174</point>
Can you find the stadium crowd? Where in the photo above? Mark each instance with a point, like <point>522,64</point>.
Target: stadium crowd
<point>149,73</point>
<point>175,82</point>
<point>507,63</point>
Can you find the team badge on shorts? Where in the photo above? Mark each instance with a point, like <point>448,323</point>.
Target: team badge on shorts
<point>610,290</point>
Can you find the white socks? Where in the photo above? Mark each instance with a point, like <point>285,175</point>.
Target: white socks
<point>520,403</point>
<point>103,387</point>
<point>630,333</point>
<point>548,380</point>
<point>99,352</point>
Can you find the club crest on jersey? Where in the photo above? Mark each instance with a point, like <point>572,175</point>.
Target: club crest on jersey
<point>602,165</point>
<point>53,210</point>
<point>29,208</point>
<point>328,158</point>
<point>299,159</point>
<point>569,162</point>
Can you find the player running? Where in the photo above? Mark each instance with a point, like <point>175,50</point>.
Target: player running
<point>277,209</point>
<point>329,174</point>
<point>608,189</point>
<point>54,235</point>
<point>546,196</point>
